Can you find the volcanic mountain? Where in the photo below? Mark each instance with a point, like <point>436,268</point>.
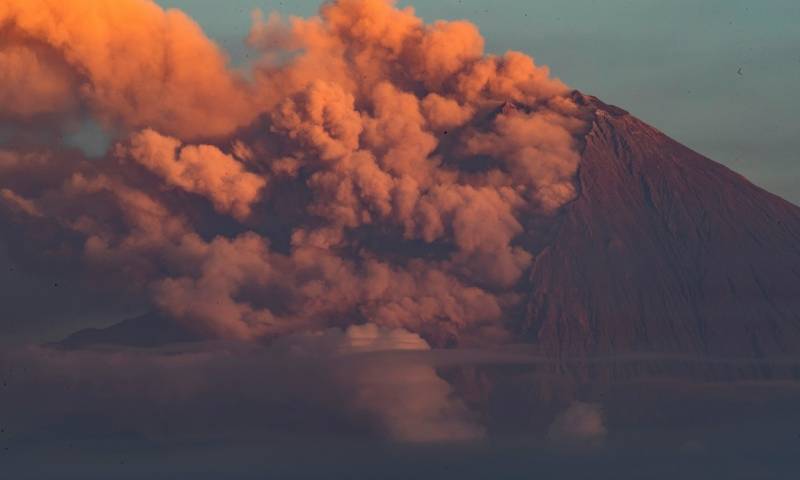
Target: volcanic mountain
<point>663,250</point>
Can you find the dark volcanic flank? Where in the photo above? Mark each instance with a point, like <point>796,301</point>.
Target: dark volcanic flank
<point>665,250</point>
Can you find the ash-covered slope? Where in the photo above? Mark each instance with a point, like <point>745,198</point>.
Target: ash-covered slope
<point>665,250</point>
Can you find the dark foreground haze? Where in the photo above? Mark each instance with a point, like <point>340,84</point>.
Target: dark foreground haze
<point>235,411</point>
<point>373,251</point>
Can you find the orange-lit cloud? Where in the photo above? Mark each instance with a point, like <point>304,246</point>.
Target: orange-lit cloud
<point>370,168</point>
<point>201,169</point>
<point>128,61</point>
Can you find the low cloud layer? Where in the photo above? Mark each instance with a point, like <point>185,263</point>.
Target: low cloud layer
<point>356,381</point>
<point>368,168</point>
<point>580,424</point>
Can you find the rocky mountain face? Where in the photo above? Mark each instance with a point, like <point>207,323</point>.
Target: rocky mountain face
<point>662,251</point>
<point>665,250</point>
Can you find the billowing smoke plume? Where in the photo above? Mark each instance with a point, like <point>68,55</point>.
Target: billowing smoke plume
<point>369,168</point>
<point>406,400</point>
<point>125,61</point>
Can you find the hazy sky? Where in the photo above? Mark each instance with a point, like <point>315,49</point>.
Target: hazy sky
<point>673,63</point>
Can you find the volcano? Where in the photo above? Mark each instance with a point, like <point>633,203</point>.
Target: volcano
<point>663,250</point>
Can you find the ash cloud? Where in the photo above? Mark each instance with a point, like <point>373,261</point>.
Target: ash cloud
<point>127,62</point>
<point>369,168</point>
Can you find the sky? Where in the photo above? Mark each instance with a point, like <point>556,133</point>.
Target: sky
<point>673,63</point>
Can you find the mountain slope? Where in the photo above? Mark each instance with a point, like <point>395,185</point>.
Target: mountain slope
<point>665,250</point>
